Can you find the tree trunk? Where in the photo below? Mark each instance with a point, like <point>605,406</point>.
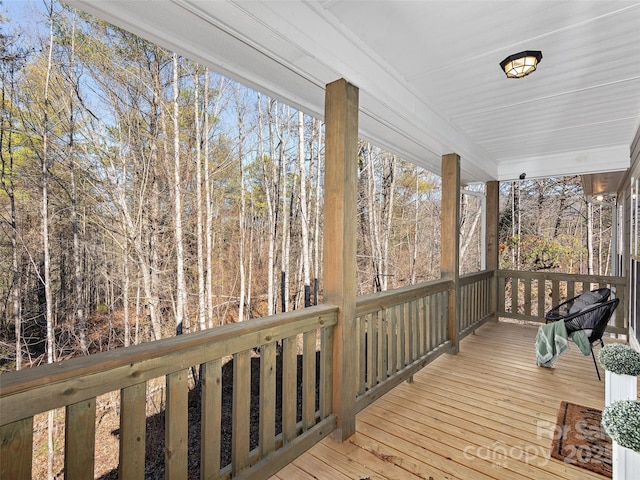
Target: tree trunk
<point>202,306</point>
<point>149,256</point>
<point>316,251</point>
<point>125,291</point>
<point>269,176</point>
<point>7,180</point>
<point>182,321</point>
<point>45,235</point>
<point>80,314</point>
<point>242,211</point>
<point>467,231</point>
<point>416,223</point>
<point>388,189</point>
<point>374,221</point>
<point>304,217</point>
<point>286,230</point>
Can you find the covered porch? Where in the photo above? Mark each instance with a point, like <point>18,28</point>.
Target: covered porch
<point>362,379</point>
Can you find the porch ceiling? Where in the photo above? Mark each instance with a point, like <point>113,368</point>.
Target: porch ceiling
<point>428,72</point>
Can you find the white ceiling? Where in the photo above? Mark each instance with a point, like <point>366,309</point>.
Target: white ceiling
<point>428,71</point>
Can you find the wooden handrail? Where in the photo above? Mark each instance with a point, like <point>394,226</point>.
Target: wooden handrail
<point>31,391</point>
<point>475,277</point>
<point>403,330</point>
<point>562,276</point>
<point>374,302</point>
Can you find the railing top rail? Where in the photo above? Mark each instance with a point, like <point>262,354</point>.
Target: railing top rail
<point>374,302</point>
<point>58,384</point>
<point>563,276</point>
<point>469,278</point>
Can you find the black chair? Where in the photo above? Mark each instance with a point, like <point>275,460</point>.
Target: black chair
<point>572,307</point>
<point>592,319</point>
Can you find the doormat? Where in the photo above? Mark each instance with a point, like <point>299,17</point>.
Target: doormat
<point>579,439</point>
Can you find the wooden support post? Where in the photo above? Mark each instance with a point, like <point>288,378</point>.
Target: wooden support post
<point>340,182</point>
<point>450,241</point>
<point>491,241</point>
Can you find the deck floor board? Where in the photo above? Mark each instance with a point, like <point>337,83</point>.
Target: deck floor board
<point>486,413</point>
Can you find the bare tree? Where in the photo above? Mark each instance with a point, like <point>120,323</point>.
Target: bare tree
<point>317,134</point>
<point>202,304</point>
<point>283,135</point>
<point>11,62</point>
<point>46,253</point>
<point>240,110</point>
<point>304,216</point>
<point>181,293</point>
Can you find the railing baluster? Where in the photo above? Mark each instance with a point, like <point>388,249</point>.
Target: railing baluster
<point>405,340</point>
<point>241,411</point>
<point>438,317</point>
<point>485,292</point>
<point>434,318</point>
<point>326,372</point>
<point>415,321</point>
<point>555,292</point>
<point>362,353</point>
<point>527,296</point>
<point>380,350</point>
<point>542,297</point>
<point>211,419</point>
<point>384,366</point>
<point>308,379</point>
<point>289,387</point>
<point>17,447</point>
<point>420,315</point>
<point>393,340</point>
<point>176,425</point>
<point>267,418</point>
<point>80,439</point>
<point>501,296</point>
<point>571,288</point>
<point>371,351</point>
<point>133,428</point>
<point>472,307</point>
<point>429,325</point>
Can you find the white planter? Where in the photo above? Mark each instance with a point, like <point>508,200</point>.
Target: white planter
<point>626,463</point>
<point>619,387</point>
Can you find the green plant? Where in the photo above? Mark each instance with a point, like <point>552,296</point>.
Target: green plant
<point>621,420</point>
<point>620,359</point>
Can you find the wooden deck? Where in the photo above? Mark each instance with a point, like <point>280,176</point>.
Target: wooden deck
<point>486,413</point>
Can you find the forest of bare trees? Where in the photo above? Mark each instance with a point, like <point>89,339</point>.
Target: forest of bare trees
<point>143,196</point>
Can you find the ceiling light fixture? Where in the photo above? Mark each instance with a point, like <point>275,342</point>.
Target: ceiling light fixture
<point>521,64</point>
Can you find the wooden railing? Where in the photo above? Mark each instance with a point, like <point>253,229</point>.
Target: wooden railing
<point>476,305</point>
<point>398,333</point>
<point>74,384</point>
<point>529,295</point>
<point>402,330</point>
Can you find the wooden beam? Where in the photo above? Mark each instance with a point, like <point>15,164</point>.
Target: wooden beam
<point>492,239</point>
<point>339,256</point>
<point>450,241</point>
